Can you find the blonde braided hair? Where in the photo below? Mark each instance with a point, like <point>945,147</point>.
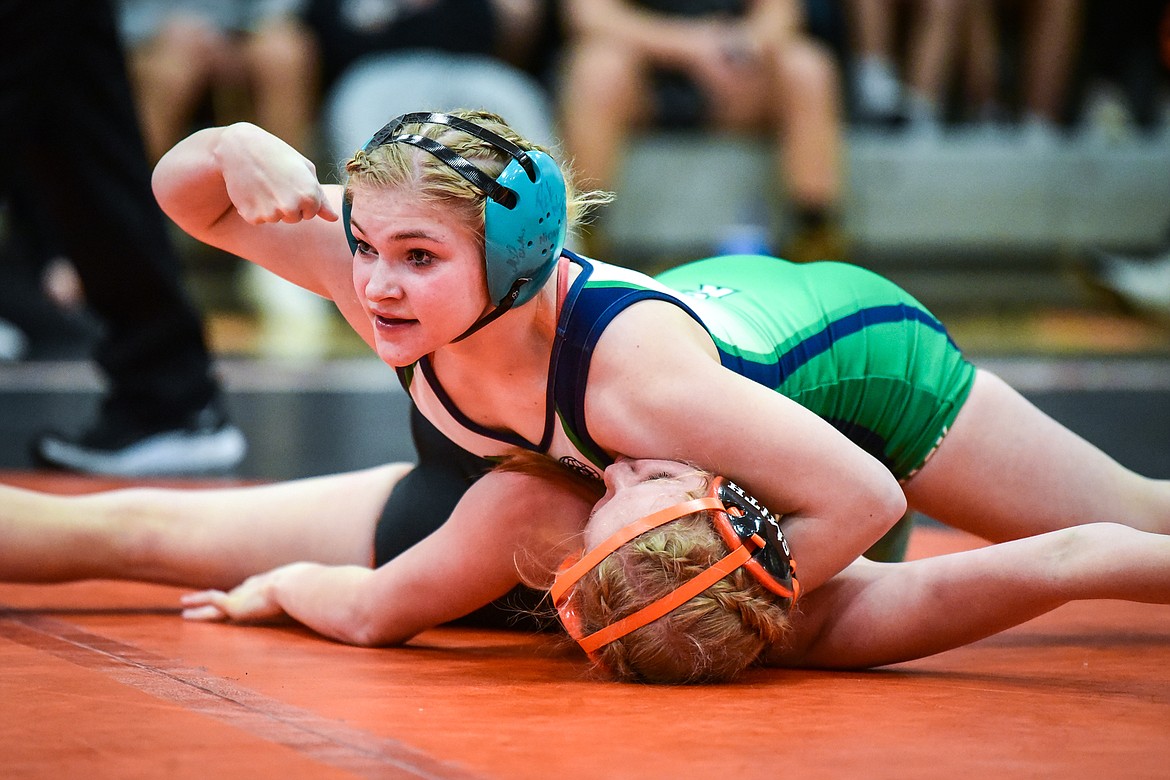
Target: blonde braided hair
<point>710,638</point>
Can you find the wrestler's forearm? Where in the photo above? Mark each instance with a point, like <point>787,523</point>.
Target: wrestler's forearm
<point>188,182</point>
<point>338,602</point>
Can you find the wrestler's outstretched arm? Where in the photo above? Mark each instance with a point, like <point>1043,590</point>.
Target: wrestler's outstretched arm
<point>243,190</point>
<point>508,527</point>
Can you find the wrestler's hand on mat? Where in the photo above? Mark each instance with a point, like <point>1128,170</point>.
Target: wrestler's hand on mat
<point>268,180</point>
<point>251,601</point>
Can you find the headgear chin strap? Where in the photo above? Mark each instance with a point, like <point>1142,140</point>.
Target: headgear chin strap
<point>750,531</point>
<point>525,218</point>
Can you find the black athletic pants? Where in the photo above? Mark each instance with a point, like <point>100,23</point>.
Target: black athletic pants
<point>70,147</point>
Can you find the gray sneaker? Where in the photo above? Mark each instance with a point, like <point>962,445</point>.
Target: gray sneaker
<point>13,343</point>
<point>206,443</point>
<point>1142,284</point>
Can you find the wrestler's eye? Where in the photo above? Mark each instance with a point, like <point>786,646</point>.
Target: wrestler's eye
<point>419,258</point>
<point>660,475</point>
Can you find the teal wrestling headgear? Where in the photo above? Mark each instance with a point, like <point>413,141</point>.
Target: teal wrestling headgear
<point>525,217</point>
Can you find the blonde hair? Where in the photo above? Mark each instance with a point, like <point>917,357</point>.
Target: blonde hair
<point>402,166</point>
<point>711,638</point>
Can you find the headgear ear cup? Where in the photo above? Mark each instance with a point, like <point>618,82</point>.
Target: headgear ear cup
<point>526,214</point>
<point>524,242</point>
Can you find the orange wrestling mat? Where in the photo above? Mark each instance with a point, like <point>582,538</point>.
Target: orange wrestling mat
<point>104,680</point>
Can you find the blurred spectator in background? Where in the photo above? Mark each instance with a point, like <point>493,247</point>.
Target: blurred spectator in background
<point>40,294</point>
<point>1041,42</point>
<point>199,62</point>
<point>1122,77</point>
<point>72,154</point>
<point>1141,283</point>
<point>219,60</point>
<point>723,64</point>
<point>890,90</point>
<point>954,62</point>
<point>382,58</point>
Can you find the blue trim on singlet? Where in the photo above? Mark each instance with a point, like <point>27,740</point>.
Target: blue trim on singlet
<point>773,373</point>
<point>587,312</point>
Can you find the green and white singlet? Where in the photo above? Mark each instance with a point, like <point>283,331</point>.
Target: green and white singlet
<point>841,341</point>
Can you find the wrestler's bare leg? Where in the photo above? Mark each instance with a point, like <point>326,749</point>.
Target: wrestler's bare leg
<point>203,538</point>
<point>1007,470</point>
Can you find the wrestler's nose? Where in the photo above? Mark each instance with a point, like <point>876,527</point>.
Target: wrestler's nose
<point>620,473</point>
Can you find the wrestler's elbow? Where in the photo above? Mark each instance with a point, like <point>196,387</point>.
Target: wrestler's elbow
<point>369,627</point>
<point>366,622</point>
<point>883,501</point>
<point>893,501</point>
